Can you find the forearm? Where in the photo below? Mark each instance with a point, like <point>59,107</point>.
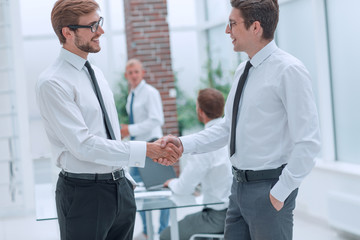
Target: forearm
<point>178,187</point>
<point>206,140</point>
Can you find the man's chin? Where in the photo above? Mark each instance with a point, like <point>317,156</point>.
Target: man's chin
<point>95,50</point>
<point>89,49</point>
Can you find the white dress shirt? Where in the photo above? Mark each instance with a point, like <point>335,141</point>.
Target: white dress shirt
<point>74,122</point>
<point>277,121</point>
<point>147,112</point>
<point>212,170</point>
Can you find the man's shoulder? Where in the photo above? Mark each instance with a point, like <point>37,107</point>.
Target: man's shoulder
<point>285,59</point>
<point>283,65</point>
<point>56,73</point>
<point>50,72</point>
<point>149,88</point>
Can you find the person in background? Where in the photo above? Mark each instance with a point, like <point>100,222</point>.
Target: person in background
<point>146,117</point>
<point>271,125</point>
<point>212,170</point>
<point>94,198</point>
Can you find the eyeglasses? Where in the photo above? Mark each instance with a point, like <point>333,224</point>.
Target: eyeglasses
<point>94,27</point>
<point>231,24</point>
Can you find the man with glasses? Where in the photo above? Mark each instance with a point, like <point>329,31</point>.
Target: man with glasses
<point>94,27</point>
<point>94,198</point>
<point>270,123</point>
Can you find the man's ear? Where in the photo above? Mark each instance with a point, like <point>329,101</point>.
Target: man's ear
<point>257,29</point>
<point>201,113</point>
<point>66,32</point>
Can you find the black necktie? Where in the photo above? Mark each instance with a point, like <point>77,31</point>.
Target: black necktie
<point>131,115</point>
<point>109,130</point>
<point>239,90</point>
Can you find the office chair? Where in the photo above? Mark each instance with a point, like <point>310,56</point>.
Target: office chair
<point>219,236</point>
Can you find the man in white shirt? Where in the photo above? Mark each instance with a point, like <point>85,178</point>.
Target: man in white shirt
<point>94,198</point>
<point>212,170</point>
<point>144,106</point>
<point>146,117</point>
<point>272,128</point>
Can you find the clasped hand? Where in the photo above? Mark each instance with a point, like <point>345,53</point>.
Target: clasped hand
<point>166,150</point>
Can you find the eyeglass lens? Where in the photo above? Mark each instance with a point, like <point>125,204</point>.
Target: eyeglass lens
<point>95,26</point>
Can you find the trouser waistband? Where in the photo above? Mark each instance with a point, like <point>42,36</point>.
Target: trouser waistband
<point>114,175</point>
<point>250,175</point>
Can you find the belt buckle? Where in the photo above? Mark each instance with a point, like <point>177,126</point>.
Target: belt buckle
<point>116,175</point>
<point>241,175</point>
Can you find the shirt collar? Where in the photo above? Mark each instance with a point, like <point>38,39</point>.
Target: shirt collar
<point>263,54</point>
<point>138,87</point>
<point>75,60</point>
<point>212,122</point>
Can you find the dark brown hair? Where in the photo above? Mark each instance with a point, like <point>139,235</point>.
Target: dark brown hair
<point>68,12</point>
<point>212,102</point>
<point>264,11</point>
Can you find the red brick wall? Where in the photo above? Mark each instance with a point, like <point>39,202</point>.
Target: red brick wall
<point>147,37</point>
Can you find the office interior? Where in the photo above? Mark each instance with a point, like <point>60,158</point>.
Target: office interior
<point>322,33</point>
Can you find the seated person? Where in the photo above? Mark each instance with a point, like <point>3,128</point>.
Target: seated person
<point>212,170</point>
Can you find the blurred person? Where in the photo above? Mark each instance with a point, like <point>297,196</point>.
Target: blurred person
<point>94,198</point>
<point>212,170</point>
<point>146,118</point>
<point>271,125</point>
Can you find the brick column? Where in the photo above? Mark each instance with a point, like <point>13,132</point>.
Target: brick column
<point>147,38</point>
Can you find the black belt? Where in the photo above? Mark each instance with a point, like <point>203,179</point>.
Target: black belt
<point>250,175</point>
<point>115,175</point>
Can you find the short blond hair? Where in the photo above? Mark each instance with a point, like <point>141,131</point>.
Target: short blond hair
<point>134,61</point>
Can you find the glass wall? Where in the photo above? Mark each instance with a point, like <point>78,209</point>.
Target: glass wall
<point>299,33</point>
<point>344,35</point>
<point>184,44</point>
<point>217,46</point>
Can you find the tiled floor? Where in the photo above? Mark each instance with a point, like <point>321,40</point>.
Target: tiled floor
<point>29,229</point>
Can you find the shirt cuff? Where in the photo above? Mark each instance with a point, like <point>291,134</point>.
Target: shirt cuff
<point>187,144</point>
<point>137,154</point>
<point>132,130</point>
<point>172,185</point>
<point>280,191</point>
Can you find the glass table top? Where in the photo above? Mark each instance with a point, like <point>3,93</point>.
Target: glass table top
<point>145,201</point>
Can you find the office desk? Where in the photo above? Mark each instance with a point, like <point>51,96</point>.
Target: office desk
<point>46,209</point>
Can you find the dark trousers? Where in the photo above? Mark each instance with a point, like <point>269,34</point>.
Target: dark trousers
<point>251,216</point>
<point>95,210</point>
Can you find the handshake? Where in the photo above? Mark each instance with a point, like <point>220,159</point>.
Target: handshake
<point>166,150</point>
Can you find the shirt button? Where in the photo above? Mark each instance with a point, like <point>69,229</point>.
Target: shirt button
<point>137,164</point>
